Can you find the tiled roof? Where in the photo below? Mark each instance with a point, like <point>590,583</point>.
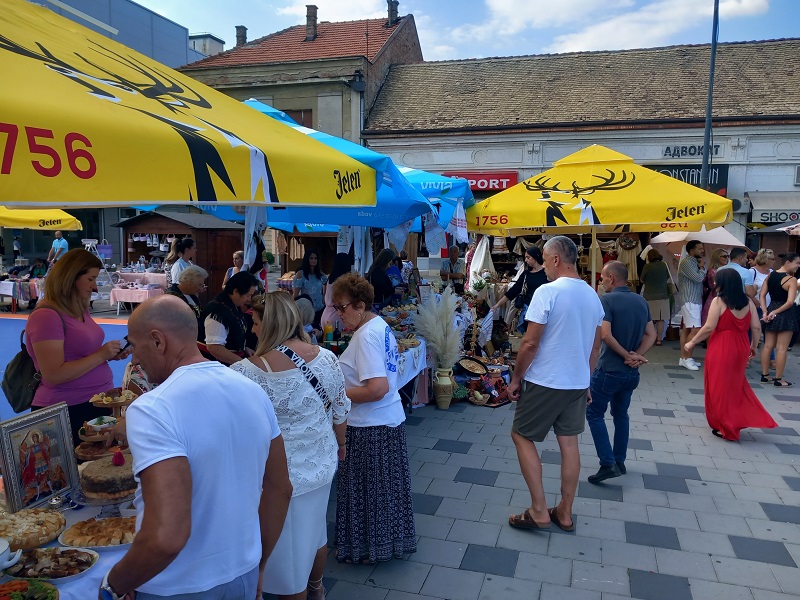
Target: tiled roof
<point>752,79</point>
<point>193,220</point>
<point>334,40</point>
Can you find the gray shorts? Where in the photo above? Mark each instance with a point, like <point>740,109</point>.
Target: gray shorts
<point>242,588</point>
<point>539,408</point>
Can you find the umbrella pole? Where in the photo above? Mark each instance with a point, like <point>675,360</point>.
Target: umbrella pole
<point>594,259</point>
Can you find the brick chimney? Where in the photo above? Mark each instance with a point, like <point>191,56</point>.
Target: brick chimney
<point>241,35</point>
<point>393,4</point>
<point>311,22</point>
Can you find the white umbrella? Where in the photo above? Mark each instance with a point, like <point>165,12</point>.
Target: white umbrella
<point>719,236</point>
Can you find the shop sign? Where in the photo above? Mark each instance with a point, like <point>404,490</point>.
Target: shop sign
<point>487,182</point>
<point>690,151</point>
<point>774,215</point>
<point>717,176</point>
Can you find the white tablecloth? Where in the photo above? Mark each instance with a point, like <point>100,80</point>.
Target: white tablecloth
<point>157,278</point>
<point>412,362</point>
<point>133,295</point>
<point>86,587</point>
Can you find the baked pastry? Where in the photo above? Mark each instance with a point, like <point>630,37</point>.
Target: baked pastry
<point>103,480</point>
<point>92,450</point>
<point>53,563</point>
<point>101,532</point>
<point>31,527</point>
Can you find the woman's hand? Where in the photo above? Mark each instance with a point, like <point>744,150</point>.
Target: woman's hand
<point>119,433</point>
<point>752,352</point>
<point>113,351</point>
<point>342,453</point>
<point>770,317</point>
<point>688,346</point>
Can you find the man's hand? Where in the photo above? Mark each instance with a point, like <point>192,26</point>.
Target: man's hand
<point>259,590</point>
<point>635,360</point>
<point>513,390</point>
<point>588,397</point>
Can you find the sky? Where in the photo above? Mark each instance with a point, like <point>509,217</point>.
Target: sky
<point>456,29</point>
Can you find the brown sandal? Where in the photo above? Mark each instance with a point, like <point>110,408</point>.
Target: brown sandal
<point>525,521</point>
<point>554,518</point>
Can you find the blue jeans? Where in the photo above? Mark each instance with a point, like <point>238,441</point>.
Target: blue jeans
<point>242,588</point>
<point>615,388</point>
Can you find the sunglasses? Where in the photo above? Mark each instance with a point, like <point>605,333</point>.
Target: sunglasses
<point>724,256</point>
<point>340,307</point>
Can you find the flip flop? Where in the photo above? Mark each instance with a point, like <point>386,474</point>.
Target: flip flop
<point>658,343</point>
<point>554,518</point>
<point>525,521</point>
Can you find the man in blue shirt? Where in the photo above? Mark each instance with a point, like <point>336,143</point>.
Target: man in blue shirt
<point>627,333</point>
<point>59,248</point>
<point>737,262</point>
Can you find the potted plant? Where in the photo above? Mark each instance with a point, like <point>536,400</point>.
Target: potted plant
<point>435,321</point>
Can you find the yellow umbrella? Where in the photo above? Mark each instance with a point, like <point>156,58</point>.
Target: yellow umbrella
<point>87,121</point>
<point>597,190</point>
<point>42,219</point>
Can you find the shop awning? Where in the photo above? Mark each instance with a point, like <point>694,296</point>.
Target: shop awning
<point>774,207</point>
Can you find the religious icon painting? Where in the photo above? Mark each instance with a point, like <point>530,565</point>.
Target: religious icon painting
<point>37,458</point>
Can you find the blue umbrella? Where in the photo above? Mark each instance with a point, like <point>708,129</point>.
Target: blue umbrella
<point>398,201</point>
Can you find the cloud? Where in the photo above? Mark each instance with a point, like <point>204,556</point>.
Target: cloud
<point>652,25</point>
<point>431,38</point>
<point>336,10</point>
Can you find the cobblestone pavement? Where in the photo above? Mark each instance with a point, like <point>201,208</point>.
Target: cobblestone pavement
<point>696,517</point>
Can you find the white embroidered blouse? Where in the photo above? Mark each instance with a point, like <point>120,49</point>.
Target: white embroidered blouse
<point>311,448</point>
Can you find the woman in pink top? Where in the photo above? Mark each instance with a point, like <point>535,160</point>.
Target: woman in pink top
<point>66,344</point>
<point>341,265</point>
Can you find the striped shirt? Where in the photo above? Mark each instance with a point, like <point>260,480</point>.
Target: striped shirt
<point>690,281</point>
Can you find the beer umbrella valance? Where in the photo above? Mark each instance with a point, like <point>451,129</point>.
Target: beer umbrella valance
<point>598,190</point>
<point>87,121</point>
<point>46,219</point>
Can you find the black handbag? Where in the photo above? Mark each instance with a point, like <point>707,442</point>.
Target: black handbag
<point>519,301</point>
<point>21,379</point>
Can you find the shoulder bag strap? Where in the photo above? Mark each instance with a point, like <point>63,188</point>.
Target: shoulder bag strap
<point>307,373</point>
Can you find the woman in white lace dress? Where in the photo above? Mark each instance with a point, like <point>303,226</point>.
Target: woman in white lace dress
<point>306,385</point>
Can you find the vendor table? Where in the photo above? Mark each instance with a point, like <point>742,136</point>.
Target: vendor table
<point>136,296</point>
<point>412,381</point>
<point>88,586</point>
<point>143,278</point>
<point>21,289</point>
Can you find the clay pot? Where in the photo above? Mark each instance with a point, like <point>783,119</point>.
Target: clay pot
<point>443,388</point>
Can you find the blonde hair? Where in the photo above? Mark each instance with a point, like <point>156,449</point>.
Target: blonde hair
<point>763,255</point>
<point>715,257</point>
<point>238,254</point>
<point>59,285</point>
<point>280,321</point>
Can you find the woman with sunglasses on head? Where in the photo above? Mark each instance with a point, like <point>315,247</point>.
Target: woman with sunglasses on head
<point>311,280</point>
<point>719,259</point>
<point>306,386</point>
<point>374,508</point>
<point>780,317</point>
<point>67,345</point>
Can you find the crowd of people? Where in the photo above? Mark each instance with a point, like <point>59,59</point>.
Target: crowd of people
<point>237,396</point>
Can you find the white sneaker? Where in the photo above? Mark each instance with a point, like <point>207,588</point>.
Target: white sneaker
<point>695,363</point>
<point>688,363</point>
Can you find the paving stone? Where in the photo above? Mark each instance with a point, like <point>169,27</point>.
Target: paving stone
<point>428,455</point>
<point>535,542</point>
<point>699,391</point>
<point>344,590</point>
<point>761,550</point>
<point>551,591</point>
<point>786,398</point>
<point>426,504</point>
<point>460,509</point>
<point>680,471</point>
<point>448,489</point>
<point>548,569</point>
<point>601,529</point>
<point>513,481</point>
<point>793,483</point>
<point>651,535</point>
<point>432,526</point>
<point>484,493</point>
<point>395,595</point>
<point>472,532</point>
<point>479,476</point>
<point>705,542</point>
<point>788,448</point>
<point>635,444</point>
<point>502,588</point>
<point>711,590</point>
<point>576,548</point>
<point>709,488</point>
<point>788,578</point>
<point>437,470</point>
<point>727,524</point>
<point>602,578</point>
<point>657,412</point>
<point>780,512</point>
<point>466,460</point>
<point>488,559</point>
<point>671,517</point>
<point>790,416</point>
<point>452,584</point>
<point>656,586</point>
<point>453,446</point>
<point>600,492</point>
<point>695,409</point>
<point>550,457</point>
<point>627,555</point>
<point>781,431</point>
<point>665,484</point>
<point>401,575</point>
<point>745,573</point>
<point>680,376</point>
<point>414,421</point>
<point>685,564</point>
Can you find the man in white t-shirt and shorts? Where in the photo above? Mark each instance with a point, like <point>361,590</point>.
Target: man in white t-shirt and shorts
<point>209,458</point>
<point>551,380</point>
<point>691,272</point>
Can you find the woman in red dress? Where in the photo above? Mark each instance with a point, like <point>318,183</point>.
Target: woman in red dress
<point>731,404</point>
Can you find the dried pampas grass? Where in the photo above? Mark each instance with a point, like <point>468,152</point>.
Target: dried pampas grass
<point>435,322</point>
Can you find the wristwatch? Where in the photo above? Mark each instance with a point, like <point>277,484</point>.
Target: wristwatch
<point>106,592</point>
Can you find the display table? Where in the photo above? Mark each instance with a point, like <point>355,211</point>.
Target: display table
<point>20,289</point>
<point>143,278</point>
<point>133,295</point>
<point>88,586</point>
